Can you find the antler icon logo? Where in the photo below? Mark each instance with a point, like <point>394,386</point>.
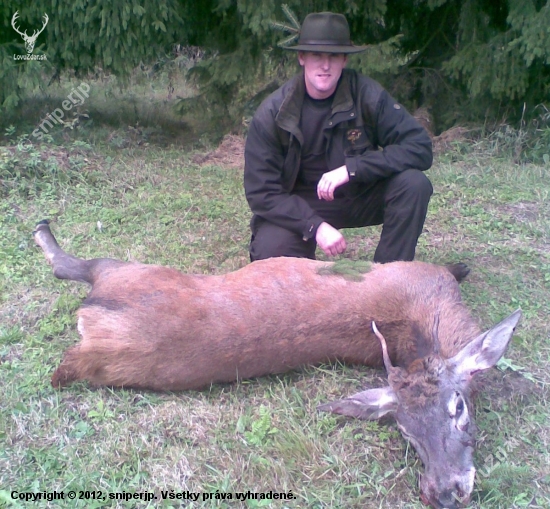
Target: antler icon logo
<point>30,40</point>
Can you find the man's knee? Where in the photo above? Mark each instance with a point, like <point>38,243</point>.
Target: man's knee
<point>413,183</point>
<point>407,195</point>
<point>269,241</point>
<point>407,200</point>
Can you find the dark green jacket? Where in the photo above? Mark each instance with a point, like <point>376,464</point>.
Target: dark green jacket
<point>368,131</point>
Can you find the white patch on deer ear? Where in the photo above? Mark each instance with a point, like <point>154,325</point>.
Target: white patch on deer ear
<point>487,349</point>
<point>369,405</point>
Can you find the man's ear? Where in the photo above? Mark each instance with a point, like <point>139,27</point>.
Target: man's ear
<point>368,405</point>
<point>301,58</point>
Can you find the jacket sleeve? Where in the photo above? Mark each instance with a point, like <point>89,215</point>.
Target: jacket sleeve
<point>263,182</point>
<point>402,143</point>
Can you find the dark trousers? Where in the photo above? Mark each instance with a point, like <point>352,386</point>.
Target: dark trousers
<point>399,202</point>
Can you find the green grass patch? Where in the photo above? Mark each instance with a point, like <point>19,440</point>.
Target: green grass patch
<point>351,270</point>
<point>152,204</point>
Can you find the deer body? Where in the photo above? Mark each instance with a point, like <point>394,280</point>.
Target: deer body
<point>152,327</point>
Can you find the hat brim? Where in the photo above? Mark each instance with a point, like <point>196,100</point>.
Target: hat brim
<point>326,48</point>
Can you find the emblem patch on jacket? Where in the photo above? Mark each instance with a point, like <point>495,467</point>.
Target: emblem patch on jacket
<point>353,135</point>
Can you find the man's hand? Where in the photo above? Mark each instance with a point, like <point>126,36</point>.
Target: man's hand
<point>330,181</point>
<point>330,240</point>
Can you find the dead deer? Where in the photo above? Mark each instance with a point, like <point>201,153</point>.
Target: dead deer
<point>152,327</point>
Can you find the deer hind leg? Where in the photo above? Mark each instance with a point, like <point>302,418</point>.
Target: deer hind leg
<point>65,266</point>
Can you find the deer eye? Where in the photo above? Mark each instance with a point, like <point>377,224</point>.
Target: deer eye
<point>460,414</point>
<point>459,407</point>
<point>456,405</point>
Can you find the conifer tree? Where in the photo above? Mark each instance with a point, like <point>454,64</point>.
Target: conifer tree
<point>458,56</point>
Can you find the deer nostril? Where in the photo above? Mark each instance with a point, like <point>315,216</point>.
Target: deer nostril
<point>447,499</point>
<point>460,495</point>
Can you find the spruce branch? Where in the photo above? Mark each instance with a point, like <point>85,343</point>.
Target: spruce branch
<point>293,28</point>
<point>287,41</point>
<point>291,16</point>
<point>283,27</point>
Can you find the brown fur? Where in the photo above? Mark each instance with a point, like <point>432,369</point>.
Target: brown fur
<point>147,326</point>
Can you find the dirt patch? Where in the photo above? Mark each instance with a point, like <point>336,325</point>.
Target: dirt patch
<point>445,140</point>
<point>229,154</point>
<point>424,118</point>
<point>507,385</point>
<point>524,212</point>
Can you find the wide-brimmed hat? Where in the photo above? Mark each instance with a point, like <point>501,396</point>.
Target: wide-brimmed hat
<point>325,32</point>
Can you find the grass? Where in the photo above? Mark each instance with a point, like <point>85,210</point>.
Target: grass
<point>152,204</point>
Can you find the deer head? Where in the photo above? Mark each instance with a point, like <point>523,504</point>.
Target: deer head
<point>431,403</point>
<point>30,41</point>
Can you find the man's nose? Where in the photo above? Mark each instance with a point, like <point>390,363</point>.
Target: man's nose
<point>325,62</point>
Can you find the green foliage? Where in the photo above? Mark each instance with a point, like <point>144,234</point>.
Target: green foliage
<point>158,207</point>
<point>261,429</point>
<point>348,269</point>
<point>507,481</point>
<point>503,64</point>
<point>383,59</point>
<point>11,335</point>
<point>466,59</point>
<point>17,76</point>
<point>293,28</point>
<point>29,169</point>
<point>528,143</point>
<point>116,36</point>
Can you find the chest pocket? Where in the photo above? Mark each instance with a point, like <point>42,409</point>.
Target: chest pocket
<point>356,141</point>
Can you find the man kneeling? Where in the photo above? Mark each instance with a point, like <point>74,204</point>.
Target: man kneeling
<point>332,149</point>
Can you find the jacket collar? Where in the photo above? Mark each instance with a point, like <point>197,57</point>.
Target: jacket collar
<point>343,99</point>
<point>288,116</point>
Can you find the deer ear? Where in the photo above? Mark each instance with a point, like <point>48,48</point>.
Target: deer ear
<point>368,405</point>
<point>485,350</point>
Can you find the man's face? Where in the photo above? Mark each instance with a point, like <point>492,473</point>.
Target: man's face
<point>322,72</point>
